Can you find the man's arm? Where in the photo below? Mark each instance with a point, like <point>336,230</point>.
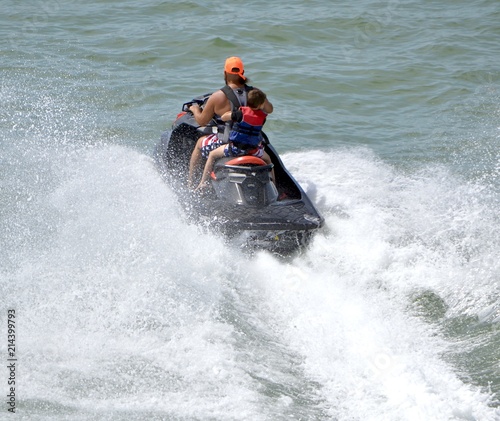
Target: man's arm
<point>204,116</point>
<point>214,103</point>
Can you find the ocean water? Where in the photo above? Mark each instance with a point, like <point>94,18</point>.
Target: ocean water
<point>387,113</point>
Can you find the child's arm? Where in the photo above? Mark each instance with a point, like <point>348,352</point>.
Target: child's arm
<point>226,116</point>
<point>267,107</point>
<point>232,115</point>
<point>212,156</point>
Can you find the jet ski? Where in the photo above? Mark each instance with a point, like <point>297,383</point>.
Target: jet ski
<point>242,202</point>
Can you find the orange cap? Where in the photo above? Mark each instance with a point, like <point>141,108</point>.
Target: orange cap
<point>234,66</point>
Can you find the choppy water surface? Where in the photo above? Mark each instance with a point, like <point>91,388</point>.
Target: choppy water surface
<point>386,112</point>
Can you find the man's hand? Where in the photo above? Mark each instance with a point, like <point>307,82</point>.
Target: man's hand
<point>193,108</point>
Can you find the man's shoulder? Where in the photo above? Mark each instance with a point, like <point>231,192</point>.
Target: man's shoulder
<point>219,96</point>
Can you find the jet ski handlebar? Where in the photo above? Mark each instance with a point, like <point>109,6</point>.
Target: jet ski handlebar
<point>186,105</point>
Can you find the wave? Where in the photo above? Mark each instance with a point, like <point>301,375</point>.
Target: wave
<point>129,309</point>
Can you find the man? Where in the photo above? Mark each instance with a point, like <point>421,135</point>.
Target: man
<point>218,104</point>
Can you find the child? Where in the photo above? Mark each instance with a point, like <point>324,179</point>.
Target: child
<point>244,138</point>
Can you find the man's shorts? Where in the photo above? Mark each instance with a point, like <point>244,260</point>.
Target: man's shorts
<point>212,142</point>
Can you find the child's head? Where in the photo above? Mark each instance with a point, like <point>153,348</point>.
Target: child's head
<point>256,98</point>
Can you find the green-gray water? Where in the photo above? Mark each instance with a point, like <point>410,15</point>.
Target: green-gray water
<point>388,114</point>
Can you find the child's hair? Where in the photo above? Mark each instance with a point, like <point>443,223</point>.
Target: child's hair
<point>255,98</point>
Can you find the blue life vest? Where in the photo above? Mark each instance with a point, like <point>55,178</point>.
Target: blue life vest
<point>247,132</point>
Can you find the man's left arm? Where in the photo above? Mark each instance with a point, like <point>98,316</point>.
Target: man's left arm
<point>204,116</point>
